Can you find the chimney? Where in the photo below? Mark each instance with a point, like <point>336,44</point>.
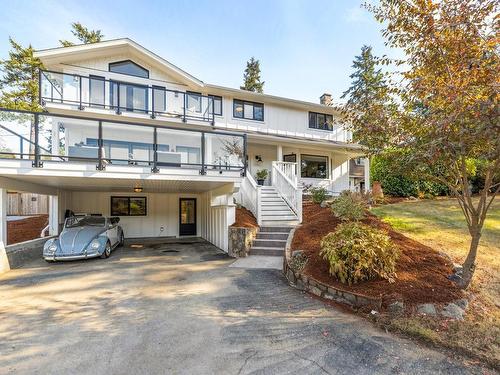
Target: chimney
<point>325,99</point>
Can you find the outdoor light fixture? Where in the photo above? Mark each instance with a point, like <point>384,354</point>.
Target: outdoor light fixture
<point>138,189</point>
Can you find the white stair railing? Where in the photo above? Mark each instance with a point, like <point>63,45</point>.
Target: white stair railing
<point>284,180</point>
<point>250,196</point>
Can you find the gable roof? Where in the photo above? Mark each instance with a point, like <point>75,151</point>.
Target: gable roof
<point>128,46</point>
<point>124,45</point>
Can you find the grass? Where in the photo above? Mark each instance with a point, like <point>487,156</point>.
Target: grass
<point>440,224</point>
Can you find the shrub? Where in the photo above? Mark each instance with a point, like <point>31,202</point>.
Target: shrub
<point>318,194</point>
<point>349,206</point>
<point>357,252</point>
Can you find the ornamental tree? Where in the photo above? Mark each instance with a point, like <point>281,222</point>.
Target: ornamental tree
<point>83,34</point>
<point>251,77</point>
<point>442,109</point>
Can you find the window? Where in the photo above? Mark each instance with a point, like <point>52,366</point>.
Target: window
<point>133,98</point>
<point>159,99</point>
<point>248,110</point>
<point>290,158</point>
<point>128,67</point>
<point>97,88</point>
<point>359,161</point>
<point>193,101</point>
<point>312,166</point>
<point>189,155</point>
<point>217,104</point>
<point>128,206</point>
<point>320,121</point>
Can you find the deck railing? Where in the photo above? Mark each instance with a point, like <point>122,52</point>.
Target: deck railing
<point>40,137</point>
<point>285,181</point>
<point>122,96</point>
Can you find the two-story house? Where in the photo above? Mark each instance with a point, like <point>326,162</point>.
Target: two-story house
<point>126,133</point>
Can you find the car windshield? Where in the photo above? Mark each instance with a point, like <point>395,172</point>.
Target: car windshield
<point>83,221</point>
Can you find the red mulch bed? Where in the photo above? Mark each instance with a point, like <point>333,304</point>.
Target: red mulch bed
<point>245,219</point>
<point>422,272</point>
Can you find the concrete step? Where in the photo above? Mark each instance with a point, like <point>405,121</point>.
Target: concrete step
<point>285,213</point>
<point>276,223</point>
<point>266,251</point>
<point>272,236</point>
<point>280,244</point>
<point>275,229</point>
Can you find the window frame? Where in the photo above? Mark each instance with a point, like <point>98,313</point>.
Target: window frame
<point>247,102</point>
<point>112,93</point>
<point>214,97</point>
<point>127,74</point>
<point>128,197</point>
<point>316,156</point>
<point>316,126</point>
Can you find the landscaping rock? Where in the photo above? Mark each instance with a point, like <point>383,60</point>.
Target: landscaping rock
<point>324,204</point>
<point>457,269</point>
<point>296,253</point>
<point>462,303</point>
<point>396,308</point>
<point>427,309</point>
<point>453,311</point>
<point>316,291</point>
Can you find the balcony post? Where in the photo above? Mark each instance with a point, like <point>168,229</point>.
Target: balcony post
<point>80,107</point>
<point>155,152</point>
<point>184,108</point>
<point>213,112</point>
<point>118,112</point>
<point>245,156</point>
<point>153,103</point>
<point>36,162</point>
<point>40,101</point>
<point>203,170</point>
<point>100,163</point>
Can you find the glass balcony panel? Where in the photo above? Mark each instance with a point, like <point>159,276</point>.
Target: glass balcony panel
<point>126,144</point>
<point>75,139</point>
<point>177,148</point>
<point>175,104</point>
<point>224,151</point>
<point>17,135</point>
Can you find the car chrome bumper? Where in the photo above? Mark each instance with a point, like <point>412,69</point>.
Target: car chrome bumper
<point>71,257</point>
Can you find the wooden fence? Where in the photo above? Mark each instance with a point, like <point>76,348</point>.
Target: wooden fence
<point>22,204</point>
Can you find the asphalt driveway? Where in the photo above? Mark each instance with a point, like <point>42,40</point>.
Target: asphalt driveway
<point>178,308</point>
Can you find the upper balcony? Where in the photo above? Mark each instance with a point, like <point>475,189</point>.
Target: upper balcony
<point>100,93</point>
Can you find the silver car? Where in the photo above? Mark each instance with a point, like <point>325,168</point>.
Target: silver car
<point>85,237</point>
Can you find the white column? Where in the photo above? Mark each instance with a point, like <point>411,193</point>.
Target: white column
<point>367,174</point>
<point>279,153</point>
<point>4,262</point>
<point>53,215</point>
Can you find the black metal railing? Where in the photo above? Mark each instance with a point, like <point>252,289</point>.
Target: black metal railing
<point>43,137</point>
<point>121,96</point>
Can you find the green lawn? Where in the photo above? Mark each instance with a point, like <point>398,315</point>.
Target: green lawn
<point>440,224</point>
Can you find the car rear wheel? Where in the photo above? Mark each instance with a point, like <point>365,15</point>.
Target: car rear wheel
<point>107,251</point>
<point>122,240</point>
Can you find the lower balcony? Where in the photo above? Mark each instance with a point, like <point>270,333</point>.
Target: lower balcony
<point>50,142</point>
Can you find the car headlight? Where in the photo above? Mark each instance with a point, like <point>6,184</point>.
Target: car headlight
<point>95,244</point>
<point>52,248</point>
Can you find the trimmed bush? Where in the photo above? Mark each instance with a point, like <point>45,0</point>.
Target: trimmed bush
<point>357,252</point>
<point>349,206</point>
<point>318,194</point>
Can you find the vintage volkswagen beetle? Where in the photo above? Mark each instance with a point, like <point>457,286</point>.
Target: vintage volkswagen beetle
<point>85,237</point>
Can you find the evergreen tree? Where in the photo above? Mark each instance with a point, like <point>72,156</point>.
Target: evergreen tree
<point>19,83</point>
<point>83,34</point>
<point>252,77</point>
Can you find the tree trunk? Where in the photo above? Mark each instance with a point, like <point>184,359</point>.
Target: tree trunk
<point>469,266</point>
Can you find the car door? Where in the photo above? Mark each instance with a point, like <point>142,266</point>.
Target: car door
<point>112,232</point>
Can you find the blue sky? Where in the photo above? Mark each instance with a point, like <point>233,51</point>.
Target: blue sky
<point>305,47</point>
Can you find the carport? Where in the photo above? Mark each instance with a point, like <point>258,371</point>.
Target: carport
<point>149,206</point>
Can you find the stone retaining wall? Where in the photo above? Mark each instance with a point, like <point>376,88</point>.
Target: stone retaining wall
<point>311,285</point>
<point>240,241</point>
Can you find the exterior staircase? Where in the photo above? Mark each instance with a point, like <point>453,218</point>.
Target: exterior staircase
<point>275,211</point>
<point>270,241</point>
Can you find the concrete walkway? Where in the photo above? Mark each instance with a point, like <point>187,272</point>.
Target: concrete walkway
<point>178,308</point>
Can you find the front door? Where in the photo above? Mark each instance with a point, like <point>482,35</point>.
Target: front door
<point>187,217</point>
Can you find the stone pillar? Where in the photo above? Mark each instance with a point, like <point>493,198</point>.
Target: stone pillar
<point>4,262</point>
<point>367,174</point>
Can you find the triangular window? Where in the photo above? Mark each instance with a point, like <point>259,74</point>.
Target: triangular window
<point>128,67</point>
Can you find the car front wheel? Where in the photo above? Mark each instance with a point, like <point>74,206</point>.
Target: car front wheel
<point>122,240</point>
<point>107,251</point>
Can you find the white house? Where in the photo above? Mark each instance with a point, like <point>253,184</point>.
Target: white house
<point>127,133</point>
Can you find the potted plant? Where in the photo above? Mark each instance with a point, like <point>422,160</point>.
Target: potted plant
<point>261,176</point>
